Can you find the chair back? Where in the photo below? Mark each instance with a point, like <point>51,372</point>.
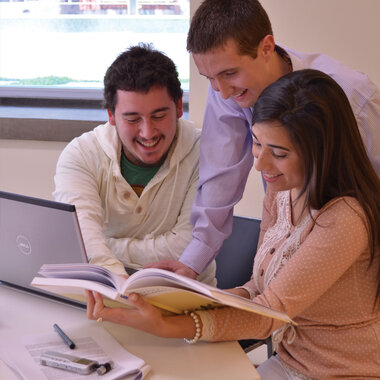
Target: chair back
<point>234,261</point>
<point>234,264</point>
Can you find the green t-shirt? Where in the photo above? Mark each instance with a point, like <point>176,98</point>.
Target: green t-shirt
<point>137,176</point>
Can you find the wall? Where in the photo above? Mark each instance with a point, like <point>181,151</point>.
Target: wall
<point>345,29</point>
<point>27,167</point>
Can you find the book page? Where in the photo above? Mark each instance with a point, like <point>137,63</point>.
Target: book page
<point>150,277</point>
<point>92,341</point>
<point>176,300</point>
<point>72,286</point>
<point>249,305</point>
<point>84,271</point>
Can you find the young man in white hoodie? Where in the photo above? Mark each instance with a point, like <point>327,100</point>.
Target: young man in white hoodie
<point>133,179</point>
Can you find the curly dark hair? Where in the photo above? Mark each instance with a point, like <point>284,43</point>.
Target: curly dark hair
<point>139,69</point>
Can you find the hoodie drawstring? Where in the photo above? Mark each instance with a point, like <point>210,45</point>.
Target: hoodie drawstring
<point>170,199</point>
<point>108,184</point>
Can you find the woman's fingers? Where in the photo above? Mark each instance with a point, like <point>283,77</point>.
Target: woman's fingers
<point>98,307</point>
<point>90,304</point>
<point>135,299</point>
<point>143,307</point>
<point>95,305</point>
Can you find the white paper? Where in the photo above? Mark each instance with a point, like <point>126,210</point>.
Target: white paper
<point>22,354</point>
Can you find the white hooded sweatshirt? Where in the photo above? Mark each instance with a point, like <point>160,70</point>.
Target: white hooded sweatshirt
<point>118,227</point>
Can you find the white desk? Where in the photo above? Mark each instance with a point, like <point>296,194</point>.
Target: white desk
<point>24,314</point>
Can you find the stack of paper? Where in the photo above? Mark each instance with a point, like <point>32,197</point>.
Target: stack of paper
<point>22,354</point>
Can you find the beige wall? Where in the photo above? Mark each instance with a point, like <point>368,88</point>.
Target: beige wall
<point>28,167</point>
<point>345,29</point>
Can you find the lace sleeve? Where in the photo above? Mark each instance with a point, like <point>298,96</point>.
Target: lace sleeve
<point>208,328</point>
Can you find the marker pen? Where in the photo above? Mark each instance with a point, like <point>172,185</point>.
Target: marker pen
<point>65,338</point>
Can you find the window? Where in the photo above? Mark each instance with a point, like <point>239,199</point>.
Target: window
<point>62,48</point>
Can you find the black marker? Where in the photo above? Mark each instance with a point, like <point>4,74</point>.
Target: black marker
<point>65,338</point>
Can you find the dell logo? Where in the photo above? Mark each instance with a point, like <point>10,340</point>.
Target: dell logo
<point>23,245</point>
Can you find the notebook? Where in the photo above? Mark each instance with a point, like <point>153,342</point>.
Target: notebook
<point>34,232</point>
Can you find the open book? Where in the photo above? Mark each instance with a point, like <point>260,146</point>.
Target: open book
<point>166,290</point>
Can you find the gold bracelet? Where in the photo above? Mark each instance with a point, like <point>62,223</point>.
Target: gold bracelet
<point>197,328</point>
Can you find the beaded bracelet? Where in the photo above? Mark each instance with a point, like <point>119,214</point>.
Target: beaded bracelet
<point>197,328</point>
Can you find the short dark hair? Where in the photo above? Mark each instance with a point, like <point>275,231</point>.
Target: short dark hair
<point>318,117</point>
<point>139,69</point>
<point>217,21</point>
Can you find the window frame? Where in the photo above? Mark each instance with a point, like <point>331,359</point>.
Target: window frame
<point>53,113</point>
<point>50,92</point>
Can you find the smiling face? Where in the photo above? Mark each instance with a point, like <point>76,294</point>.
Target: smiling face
<point>277,158</point>
<point>146,124</point>
<point>239,77</point>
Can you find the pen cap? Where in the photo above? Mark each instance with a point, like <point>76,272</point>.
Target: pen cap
<point>104,368</point>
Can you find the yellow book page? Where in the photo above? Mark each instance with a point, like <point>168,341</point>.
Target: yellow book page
<point>173,300</point>
<point>247,305</point>
<point>177,300</point>
<point>107,301</point>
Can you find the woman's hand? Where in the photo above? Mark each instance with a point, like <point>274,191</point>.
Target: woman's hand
<point>239,292</point>
<point>144,317</point>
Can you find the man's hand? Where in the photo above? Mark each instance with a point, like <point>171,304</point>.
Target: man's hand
<point>174,266</point>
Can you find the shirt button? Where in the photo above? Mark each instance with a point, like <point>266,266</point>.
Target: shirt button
<point>139,209</point>
<point>262,273</point>
<point>271,252</point>
<point>127,195</point>
<point>288,235</point>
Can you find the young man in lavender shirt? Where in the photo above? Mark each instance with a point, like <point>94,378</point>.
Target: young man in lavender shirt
<point>233,47</point>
